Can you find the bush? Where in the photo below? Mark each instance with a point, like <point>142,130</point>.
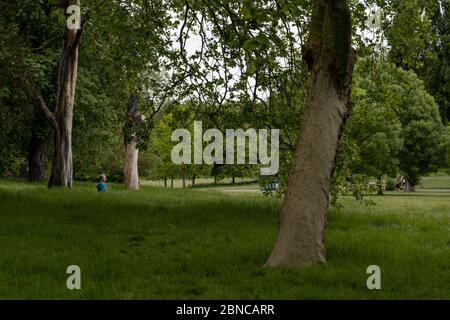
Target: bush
<point>390,184</point>
<point>115,176</point>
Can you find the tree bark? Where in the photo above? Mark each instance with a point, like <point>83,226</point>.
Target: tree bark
<point>62,165</point>
<point>330,58</point>
<point>409,187</point>
<point>131,172</point>
<point>61,118</point>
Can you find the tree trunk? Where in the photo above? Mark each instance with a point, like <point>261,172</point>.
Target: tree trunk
<point>62,166</point>
<point>184,183</point>
<point>131,173</point>
<point>36,161</point>
<point>330,58</point>
<point>193,180</point>
<point>23,172</point>
<point>61,119</point>
<point>409,187</point>
<point>165,182</point>
<point>171,182</point>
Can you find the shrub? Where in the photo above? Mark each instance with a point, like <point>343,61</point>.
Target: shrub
<point>390,184</point>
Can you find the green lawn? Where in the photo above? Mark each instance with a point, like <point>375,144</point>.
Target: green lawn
<point>437,182</point>
<point>160,243</point>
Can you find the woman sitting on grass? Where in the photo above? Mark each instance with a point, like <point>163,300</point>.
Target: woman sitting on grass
<point>101,186</point>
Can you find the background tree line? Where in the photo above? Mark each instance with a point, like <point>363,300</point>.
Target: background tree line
<point>398,116</point>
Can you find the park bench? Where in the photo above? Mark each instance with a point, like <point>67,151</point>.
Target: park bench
<point>271,186</point>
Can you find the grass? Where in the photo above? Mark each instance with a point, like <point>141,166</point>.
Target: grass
<point>172,244</point>
<point>436,182</point>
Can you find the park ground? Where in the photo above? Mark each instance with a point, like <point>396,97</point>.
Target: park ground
<point>160,243</point>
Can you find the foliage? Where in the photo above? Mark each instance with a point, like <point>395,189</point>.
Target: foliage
<point>395,125</point>
<point>248,72</point>
<point>418,34</point>
<point>390,184</point>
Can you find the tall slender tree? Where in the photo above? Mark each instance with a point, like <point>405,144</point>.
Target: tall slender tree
<point>131,173</point>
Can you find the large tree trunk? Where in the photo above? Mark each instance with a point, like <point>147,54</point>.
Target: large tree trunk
<point>62,166</point>
<point>330,58</point>
<point>131,173</point>
<point>61,118</point>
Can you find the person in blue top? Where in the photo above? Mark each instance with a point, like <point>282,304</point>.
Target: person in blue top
<point>101,186</point>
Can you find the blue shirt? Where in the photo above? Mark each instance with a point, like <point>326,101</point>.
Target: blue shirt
<point>101,187</point>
